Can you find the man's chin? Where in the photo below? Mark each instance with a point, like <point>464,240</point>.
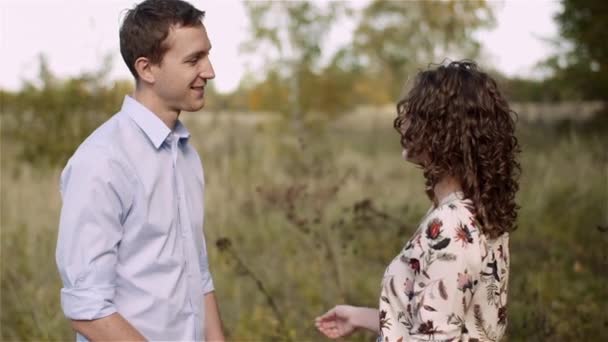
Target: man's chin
<point>195,107</point>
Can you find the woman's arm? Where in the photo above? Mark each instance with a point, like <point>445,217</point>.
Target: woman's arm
<point>367,318</point>
<point>343,320</point>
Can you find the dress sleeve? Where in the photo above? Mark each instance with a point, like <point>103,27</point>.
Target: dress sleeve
<point>445,261</point>
<point>95,201</point>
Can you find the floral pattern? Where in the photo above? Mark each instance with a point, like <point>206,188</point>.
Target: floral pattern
<point>449,283</point>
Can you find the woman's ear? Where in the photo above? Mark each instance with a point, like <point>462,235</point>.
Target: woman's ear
<point>143,67</point>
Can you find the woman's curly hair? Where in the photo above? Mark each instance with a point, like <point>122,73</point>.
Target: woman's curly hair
<point>456,118</point>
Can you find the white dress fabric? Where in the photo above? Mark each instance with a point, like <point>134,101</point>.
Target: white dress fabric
<point>449,283</point>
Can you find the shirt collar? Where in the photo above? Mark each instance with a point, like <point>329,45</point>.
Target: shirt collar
<point>154,128</point>
<point>181,131</point>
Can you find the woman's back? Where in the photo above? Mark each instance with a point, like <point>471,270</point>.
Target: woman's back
<point>449,282</point>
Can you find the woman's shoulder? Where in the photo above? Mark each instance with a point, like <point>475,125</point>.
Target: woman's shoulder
<point>453,223</point>
<point>453,212</point>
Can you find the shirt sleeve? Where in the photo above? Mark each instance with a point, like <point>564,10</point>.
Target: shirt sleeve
<point>95,202</point>
<point>203,260</point>
<point>445,259</point>
<point>207,280</point>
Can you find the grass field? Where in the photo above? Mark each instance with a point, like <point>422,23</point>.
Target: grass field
<point>296,225</point>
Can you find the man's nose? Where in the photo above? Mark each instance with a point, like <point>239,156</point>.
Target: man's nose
<point>207,71</point>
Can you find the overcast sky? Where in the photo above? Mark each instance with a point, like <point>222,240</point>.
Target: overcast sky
<point>76,34</point>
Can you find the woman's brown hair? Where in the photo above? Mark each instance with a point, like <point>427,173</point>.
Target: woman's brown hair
<point>456,117</point>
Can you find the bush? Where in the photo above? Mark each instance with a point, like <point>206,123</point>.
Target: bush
<point>48,120</point>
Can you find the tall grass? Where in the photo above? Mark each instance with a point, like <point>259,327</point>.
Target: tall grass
<point>295,225</point>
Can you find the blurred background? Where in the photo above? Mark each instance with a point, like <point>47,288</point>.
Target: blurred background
<point>307,197</point>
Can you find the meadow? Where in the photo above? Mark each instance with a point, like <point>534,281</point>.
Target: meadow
<point>296,223</point>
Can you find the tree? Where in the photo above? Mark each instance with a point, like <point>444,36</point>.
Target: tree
<point>394,38</point>
<point>581,63</point>
<point>290,34</point>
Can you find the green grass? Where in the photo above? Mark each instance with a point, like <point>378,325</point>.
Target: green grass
<point>308,223</point>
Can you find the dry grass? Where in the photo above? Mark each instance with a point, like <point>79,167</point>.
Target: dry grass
<point>306,223</point>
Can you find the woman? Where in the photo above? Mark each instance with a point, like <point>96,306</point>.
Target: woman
<point>450,280</point>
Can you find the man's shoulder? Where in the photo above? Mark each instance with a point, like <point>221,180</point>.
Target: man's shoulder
<point>98,165</point>
<point>107,133</point>
<point>102,145</point>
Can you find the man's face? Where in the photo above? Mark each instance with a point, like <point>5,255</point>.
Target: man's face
<point>181,77</point>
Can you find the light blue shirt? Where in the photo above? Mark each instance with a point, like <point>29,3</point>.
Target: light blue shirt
<point>131,228</point>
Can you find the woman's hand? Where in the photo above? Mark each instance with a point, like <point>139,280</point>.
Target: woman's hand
<point>338,322</point>
<point>343,320</point>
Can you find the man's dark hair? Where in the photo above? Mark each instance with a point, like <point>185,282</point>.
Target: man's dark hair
<point>146,26</point>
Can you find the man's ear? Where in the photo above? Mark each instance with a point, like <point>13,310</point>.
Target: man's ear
<point>143,66</point>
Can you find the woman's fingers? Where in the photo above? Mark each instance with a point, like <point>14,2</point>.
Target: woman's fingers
<point>335,322</point>
<point>329,315</point>
<point>327,331</point>
<point>328,324</point>
<point>331,332</point>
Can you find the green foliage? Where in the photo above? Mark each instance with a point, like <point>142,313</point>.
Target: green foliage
<point>270,95</point>
<point>290,33</point>
<point>582,22</point>
<point>294,29</point>
<point>393,39</point>
<point>330,92</point>
<point>49,118</point>
<point>581,65</point>
<point>396,38</point>
<point>527,90</point>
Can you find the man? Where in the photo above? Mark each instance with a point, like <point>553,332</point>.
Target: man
<point>131,250</point>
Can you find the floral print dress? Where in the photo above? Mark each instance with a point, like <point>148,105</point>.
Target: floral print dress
<point>449,283</point>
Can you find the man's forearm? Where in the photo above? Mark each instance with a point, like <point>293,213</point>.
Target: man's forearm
<point>110,328</point>
<point>213,322</point>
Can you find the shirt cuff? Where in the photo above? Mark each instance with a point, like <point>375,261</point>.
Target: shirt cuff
<point>207,283</point>
<point>87,303</point>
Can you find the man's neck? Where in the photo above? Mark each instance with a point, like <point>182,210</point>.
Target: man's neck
<point>155,105</point>
<point>445,187</point>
